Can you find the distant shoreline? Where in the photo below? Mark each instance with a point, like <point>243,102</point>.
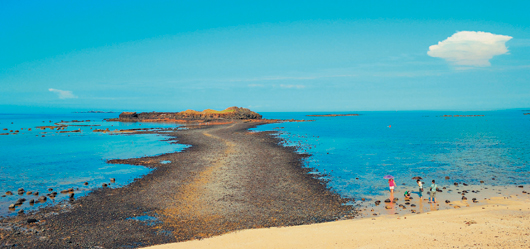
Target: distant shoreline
<point>332,115</point>
<point>95,112</point>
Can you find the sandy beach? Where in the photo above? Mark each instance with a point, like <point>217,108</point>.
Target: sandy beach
<point>502,222</point>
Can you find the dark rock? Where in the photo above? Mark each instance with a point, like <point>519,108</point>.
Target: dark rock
<point>104,185</point>
<point>31,202</point>
<point>456,184</point>
<point>493,179</point>
<point>9,193</point>
<point>387,201</point>
<point>31,220</point>
<point>464,198</point>
<point>444,188</point>
<point>407,203</point>
<point>29,192</point>
<point>412,205</point>
<point>112,179</point>
<point>71,195</point>
<point>42,199</point>
<point>447,178</point>
<point>377,202</point>
<point>50,189</point>
<point>20,201</point>
<point>465,184</point>
<point>36,193</point>
<point>12,206</point>
<point>520,186</point>
<point>53,194</point>
<point>474,199</point>
<point>439,190</point>
<point>86,183</point>
<point>481,181</point>
<point>447,201</point>
<point>417,178</point>
<point>21,211</point>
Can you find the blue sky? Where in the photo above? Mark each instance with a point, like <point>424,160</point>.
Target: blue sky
<point>267,56</point>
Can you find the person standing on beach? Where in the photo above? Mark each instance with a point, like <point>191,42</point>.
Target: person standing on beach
<point>391,185</point>
<point>433,192</point>
<point>420,185</point>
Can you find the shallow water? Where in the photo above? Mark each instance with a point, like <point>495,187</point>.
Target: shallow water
<point>356,152</point>
<point>68,160</point>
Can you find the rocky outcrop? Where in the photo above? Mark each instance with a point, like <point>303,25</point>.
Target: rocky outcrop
<point>189,115</point>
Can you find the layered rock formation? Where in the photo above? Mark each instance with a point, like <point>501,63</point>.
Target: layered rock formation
<point>231,113</point>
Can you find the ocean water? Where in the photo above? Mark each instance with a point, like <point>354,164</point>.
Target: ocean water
<point>354,153</point>
<point>40,159</point>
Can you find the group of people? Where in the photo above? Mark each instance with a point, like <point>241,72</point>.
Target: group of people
<point>433,189</point>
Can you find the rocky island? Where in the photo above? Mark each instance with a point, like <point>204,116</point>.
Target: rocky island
<point>208,115</point>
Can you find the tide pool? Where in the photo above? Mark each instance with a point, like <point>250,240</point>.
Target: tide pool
<point>40,159</point>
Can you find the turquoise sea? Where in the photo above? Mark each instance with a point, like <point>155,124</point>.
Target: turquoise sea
<point>352,153</point>
<point>355,152</point>
<point>37,159</point>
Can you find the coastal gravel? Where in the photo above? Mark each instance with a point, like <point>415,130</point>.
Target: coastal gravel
<point>228,179</point>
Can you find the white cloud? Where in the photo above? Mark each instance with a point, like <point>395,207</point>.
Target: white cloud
<point>470,48</point>
<point>63,94</point>
<point>292,86</point>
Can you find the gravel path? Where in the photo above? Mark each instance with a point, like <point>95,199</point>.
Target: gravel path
<point>229,179</point>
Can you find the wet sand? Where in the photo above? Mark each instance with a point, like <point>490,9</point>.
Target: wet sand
<point>229,179</point>
<point>497,222</point>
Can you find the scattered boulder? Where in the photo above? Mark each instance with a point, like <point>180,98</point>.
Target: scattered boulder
<point>36,193</point>
<point>464,198</point>
<point>417,178</point>
<point>29,192</point>
<point>31,202</point>
<point>9,193</point>
<point>447,178</point>
<point>439,190</point>
<point>377,202</point>
<point>456,206</point>
<point>444,188</point>
<point>53,194</point>
<point>31,220</point>
<point>21,191</point>
<point>20,212</point>
<point>493,179</point>
<point>71,195</point>
<point>407,203</point>
<point>465,184</point>
<point>86,183</point>
<point>12,206</point>
<point>388,207</point>
<point>362,199</point>
<point>387,201</point>
<point>20,201</point>
<point>447,201</point>
<point>395,200</point>
<point>481,181</point>
<point>413,211</point>
<point>456,184</point>
<point>104,185</point>
<point>112,179</point>
<point>42,199</point>
<point>412,205</point>
<point>50,189</point>
<point>520,186</point>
